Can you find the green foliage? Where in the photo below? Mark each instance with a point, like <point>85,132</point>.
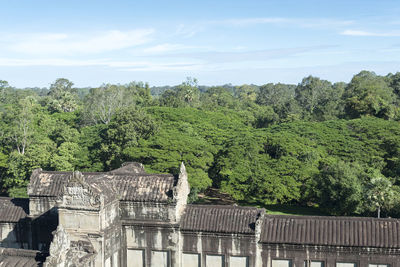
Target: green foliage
<point>63,97</point>
<point>4,88</point>
<point>105,101</point>
<point>125,129</point>
<point>65,157</point>
<point>339,187</point>
<point>369,94</point>
<point>250,163</point>
<point>187,135</point>
<point>394,82</point>
<point>216,97</point>
<point>318,145</point>
<point>90,142</point>
<point>186,94</point>
<point>18,192</point>
<point>246,92</point>
<point>318,98</point>
<point>380,193</point>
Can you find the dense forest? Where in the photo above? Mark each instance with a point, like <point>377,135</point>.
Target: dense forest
<point>333,146</point>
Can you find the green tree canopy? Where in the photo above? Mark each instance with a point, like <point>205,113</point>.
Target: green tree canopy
<point>369,94</point>
<point>339,187</point>
<point>63,97</point>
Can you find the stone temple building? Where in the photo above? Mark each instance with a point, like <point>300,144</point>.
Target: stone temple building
<point>129,218</point>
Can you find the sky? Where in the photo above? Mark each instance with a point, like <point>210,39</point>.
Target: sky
<point>217,42</point>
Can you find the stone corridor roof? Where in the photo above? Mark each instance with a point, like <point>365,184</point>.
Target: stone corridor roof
<point>11,257</point>
<point>332,231</point>
<point>13,210</point>
<point>129,182</point>
<point>145,187</point>
<point>220,218</point>
<point>47,183</point>
<point>296,230</point>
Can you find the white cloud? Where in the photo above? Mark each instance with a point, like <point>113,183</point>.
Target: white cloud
<point>253,21</point>
<point>122,65</point>
<point>176,61</point>
<point>240,55</point>
<point>297,22</point>
<point>368,33</point>
<point>188,31</point>
<point>65,44</point>
<point>161,48</point>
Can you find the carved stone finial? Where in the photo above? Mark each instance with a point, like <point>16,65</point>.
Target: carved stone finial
<point>183,169</point>
<point>258,223</point>
<point>58,247</point>
<point>181,191</point>
<point>77,176</point>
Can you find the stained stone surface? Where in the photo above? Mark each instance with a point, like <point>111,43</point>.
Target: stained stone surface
<point>129,218</point>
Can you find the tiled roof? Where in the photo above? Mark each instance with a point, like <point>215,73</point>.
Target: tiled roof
<point>127,183</point>
<point>12,210</point>
<point>129,168</point>
<point>333,231</point>
<point>221,219</point>
<point>45,183</point>
<point>11,257</point>
<point>157,188</point>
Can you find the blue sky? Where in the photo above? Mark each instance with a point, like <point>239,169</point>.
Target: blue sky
<point>217,42</point>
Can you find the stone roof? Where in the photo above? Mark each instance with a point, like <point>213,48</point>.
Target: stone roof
<point>13,210</point>
<point>129,182</point>
<point>220,219</point>
<point>332,231</point>
<point>11,257</point>
<point>145,187</point>
<point>47,184</point>
<point>129,168</point>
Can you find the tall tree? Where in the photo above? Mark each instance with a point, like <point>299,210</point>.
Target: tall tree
<point>63,97</point>
<point>138,93</point>
<point>218,97</point>
<point>4,87</point>
<point>188,91</point>
<point>246,92</point>
<point>339,187</point>
<point>379,191</point>
<point>103,102</point>
<point>314,95</point>
<point>280,97</point>
<point>128,125</point>
<point>369,94</point>
<point>22,124</point>
<point>394,82</point>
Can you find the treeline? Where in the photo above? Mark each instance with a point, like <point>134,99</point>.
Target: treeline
<point>333,146</point>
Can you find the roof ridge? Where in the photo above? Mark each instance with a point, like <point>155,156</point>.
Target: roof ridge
<point>319,217</point>
<point>225,206</point>
<point>19,252</point>
<point>110,173</point>
<point>60,172</point>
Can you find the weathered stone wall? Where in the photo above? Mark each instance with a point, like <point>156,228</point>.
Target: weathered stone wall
<point>190,249</point>
<point>112,234</point>
<point>41,229</point>
<point>28,233</point>
<point>41,205</point>
<point>14,235</point>
<point>161,212</point>
<point>229,248</point>
<point>150,239</point>
<point>82,221</point>
<point>97,226</point>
